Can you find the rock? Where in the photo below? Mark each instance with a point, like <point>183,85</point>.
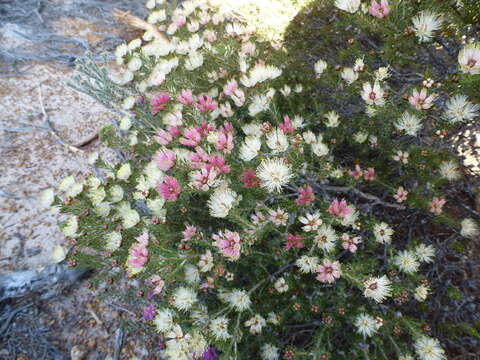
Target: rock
<point>78,352</point>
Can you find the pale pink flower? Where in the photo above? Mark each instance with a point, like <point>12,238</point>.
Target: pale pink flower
<point>329,271</point>
<point>436,205</point>
<point>294,240</point>
<point>159,100</point>
<point>170,188</point>
<point>203,179</point>
<point>305,195</point>
<point>229,244</point>
<point>248,48</point>
<point>138,253</point>
<point>278,217</point>
<point>401,194</point>
<point>163,137</point>
<point>373,95</point>
<point>287,126</point>
<point>210,35</point>
<point>218,161</point>
<point>420,101</point>
<point>357,173</point>
<point>189,233</point>
<point>165,159</point>
<point>380,10</point>
<point>339,208</point>
<point>180,20</point>
<point>185,97</point>
<point>230,87</point>
<point>258,218</point>
<point>158,283</point>
<point>191,137</point>
<point>238,97</point>
<point>350,243</point>
<point>369,174</point>
<point>401,157</point>
<point>224,142</point>
<point>205,103</point>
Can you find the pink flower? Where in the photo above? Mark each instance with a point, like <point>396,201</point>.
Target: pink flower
<point>205,103</point>
<point>436,205</point>
<point>357,173</point>
<point>158,101</point>
<point>369,174</point>
<point>185,97</point>
<point>339,208</point>
<point>224,142</point>
<point>218,161</point>
<point>170,188</point>
<point>189,232</point>
<point>174,130</point>
<point>286,126</point>
<point>294,240</point>
<point>401,194</point>
<point>420,101</point>
<point>230,87</point>
<point>165,159</point>
<point>248,48</point>
<point>180,20</point>
<point>380,10</point>
<point>350,243</point>
<point>158,284</point>
<point>203,179</point>
<point>163,137</point>
<point>305,195</point>
<point>138,253</point>
<point>210,35</point>
<point>329,271</point>
<point>238,97</point>
<point>191,137</point>
<point>228,243</point>
<point>249,179</point>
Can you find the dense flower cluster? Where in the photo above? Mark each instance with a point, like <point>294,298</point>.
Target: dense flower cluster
<point>232,207</point>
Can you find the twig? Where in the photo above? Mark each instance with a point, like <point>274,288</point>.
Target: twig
<point>136,22</point>
<point>12,314</point>
<point>119,337</point>
<point>97,319</point>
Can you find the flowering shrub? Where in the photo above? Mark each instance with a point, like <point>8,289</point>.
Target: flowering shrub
<point>247,208</point>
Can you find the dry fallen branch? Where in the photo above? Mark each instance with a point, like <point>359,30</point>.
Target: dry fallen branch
<point>127,18</point>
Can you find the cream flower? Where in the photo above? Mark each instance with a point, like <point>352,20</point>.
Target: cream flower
<point>274,174</point>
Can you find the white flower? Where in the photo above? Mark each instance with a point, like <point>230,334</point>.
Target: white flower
<point>309,137</point>
<point>373,95</point>
<point>382,73</point>
<point>184,298</point>
<point>128,103</point>
<point>459,109</point>
<point>121,50</point>
<point>469,228</point>
<point>129,217</point>
<point>125,123</point>
<point>219,328</point>
<point>273,318</point>
<point>311,221</point>
<point>409,123</point>
<point>377,288</point>
<point>274,173</point>
<point>134,44</point>
<point>307,264</point>
<point>222,201</point>
<point>113,241</point>
<point>70,227</point>
<point>194,61</point>
<point>116,193</point>
<point>46,197</point>
<point>406,357</point>
<point>319,148</point>
<point>286,90</point>
<point>261,73</point>
<point>192,276</point>
<point>366,324</point>
<point>425,24</point>
<point>349,75</point>
<point>124,172</point>
<point>425,253</point>
<point>326,238</point>
<point>429,349</point>
<point>407,262</point>
<point>277,141</point>
<point>383,233</point>
<point>270,352</point>
<point>157,16</point>
<point>239,300</point>
<point>259,103</point>
<point>278,217</point>
<point>206,262</point>
<point>359,65</point>
<point>156,207</point>
<point>66,183</point>
<point>350,6</point>
<point>59,253</point>
<point>164,320</point>
<point>250,148</point>
<point>281,285</point>
<point>320,67</point>
<point>252,129</point>
<point>297,122</point>
<point>256,323</point>
<point>421,293</point>
<point>102,209</point>
<point>449,170</point>
<point>360,137</point>
<point>298,88</point>
<point>134,64</point>
<point>469,59</point>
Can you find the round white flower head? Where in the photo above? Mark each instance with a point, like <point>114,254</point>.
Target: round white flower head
<point>421,293</point>
<point>425,253</point>
<point>469,59</point>
<point>239,300</point>
<point>469,228</point>
<point>192,276</point>
<point>206,262</point>
<point>102,209</point>
<point>184,298</point>
<point>425,24</point>
<point>366,324</point>
<point>349,75</point>
<point>124,172</point>
<point>277,141</point>
<point>164,320</point>
<point>383,233</point>
<point>350,6</point>
<point>256,323</point>
<point>429,349</point>
<point>377,289</point>
<point>270,352</point>
<point>222,201</point>
<point>59,253</point>
<point>196,343</point>
<point>273,318</point>
<point>113,241</point>
<point>116,193</point>
<point>407,262</point>
<point>311,221</point>
<point>219,328</point>
<point>406,357</point>
<point>250,148</point>
<point>326,238</point>
<point>70,227</point>
<point>128,103</point>
<point>319,148</point>
<point>449,170</point>
<point>459,109</point>
<point>46,197</point>
<point>281,285</point>
<point>409,123</point>
<point>66,183</point>
<point>307,264</point>
<point>258,104</point>
<point>274,173</point>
